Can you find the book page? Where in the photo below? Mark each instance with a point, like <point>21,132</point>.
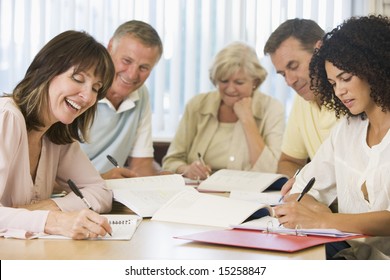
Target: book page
<point>192,207</point>
<point>228,180</point>
<point>271,198</point>
<point>144,195</point>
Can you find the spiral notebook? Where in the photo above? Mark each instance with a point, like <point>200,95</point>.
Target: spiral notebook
<point>123,228</point>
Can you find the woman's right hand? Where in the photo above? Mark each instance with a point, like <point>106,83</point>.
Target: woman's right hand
<point>195,171</point>
<point>82,224</point>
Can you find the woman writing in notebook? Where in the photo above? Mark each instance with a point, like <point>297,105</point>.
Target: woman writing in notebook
<point>235,127</point>
<point>351,73</point>
<point>41,123</point>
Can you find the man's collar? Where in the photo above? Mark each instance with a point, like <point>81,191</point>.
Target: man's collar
<point>126,104</point>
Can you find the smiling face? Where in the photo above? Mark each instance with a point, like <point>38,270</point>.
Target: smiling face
<point>353,92</point>
<point>235,87</point>
<point>133,62</point>
<point>71,94</point>
<point>292,61</point>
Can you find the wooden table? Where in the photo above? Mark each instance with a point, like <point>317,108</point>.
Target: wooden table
<point>152,241</point>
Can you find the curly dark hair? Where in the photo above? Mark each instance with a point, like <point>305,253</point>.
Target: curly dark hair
<point>359,46</point>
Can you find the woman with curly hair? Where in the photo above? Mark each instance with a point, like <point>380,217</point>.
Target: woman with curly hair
<point>351,73</point>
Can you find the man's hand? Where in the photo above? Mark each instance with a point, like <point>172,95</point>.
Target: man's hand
<point>117,173</point>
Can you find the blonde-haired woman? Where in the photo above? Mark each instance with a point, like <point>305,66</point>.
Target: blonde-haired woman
<point>233,127</point>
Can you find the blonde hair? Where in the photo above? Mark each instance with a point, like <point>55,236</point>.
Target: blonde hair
<point>234,57</point>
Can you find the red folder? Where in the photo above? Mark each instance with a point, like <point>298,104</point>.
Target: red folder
<point>262,240</point>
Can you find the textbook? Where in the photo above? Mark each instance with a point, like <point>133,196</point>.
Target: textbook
<point>193,207</point>
<point>226,180</point>
<point>144,195</point>
<point>123,228</point>
<point>269,197</point>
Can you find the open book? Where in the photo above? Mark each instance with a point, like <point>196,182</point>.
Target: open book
<point>193,207</point>
<point>272,197</point>
<point>226,180</point>
<point>144,195</point>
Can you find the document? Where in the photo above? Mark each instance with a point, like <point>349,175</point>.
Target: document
<point>193,207</point>
<point>271,225</point>
<point>144,195</point>
<point>226,180</point>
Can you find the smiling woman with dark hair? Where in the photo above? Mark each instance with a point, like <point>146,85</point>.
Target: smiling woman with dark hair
<point>40,125</point>
<point>350,72</point>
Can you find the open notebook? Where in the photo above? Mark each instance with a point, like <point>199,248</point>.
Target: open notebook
<point>123,228</point>
<point>226,180</point>
<point>145,195</point>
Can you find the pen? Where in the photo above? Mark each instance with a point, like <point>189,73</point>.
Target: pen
<point>113,161</point>
<point>202,162</point>
<point>76,190</point>
<point>295,175</point>
<point>307,188</point>
<point>201,159</point>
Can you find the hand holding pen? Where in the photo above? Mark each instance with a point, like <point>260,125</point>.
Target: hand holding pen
<point>200,158</point>
<point>196,170</point>
<point>118,172</point>
<point>307,188</point>
<point>288,185</point>
<point>77,191</point>
<point>282,211</point>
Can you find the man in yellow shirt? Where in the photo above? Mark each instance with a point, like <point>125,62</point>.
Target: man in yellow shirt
<point>291,47</point>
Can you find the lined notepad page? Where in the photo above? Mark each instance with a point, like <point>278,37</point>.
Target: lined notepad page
<point>123,228</point>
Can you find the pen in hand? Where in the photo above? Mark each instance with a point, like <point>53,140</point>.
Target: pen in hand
<point>113,161</point>
<point>295,175</point>
<point>76,190</point>
<point>202,162</point>
<point>201,159</point>
<point>307,188</point>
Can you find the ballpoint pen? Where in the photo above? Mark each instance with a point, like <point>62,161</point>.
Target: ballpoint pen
<point>295,175</point>
<point>307,188</point>
<point>113,161</point>
<point>202,162</point>
<point>201,159</point>
<point>76,190</point>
